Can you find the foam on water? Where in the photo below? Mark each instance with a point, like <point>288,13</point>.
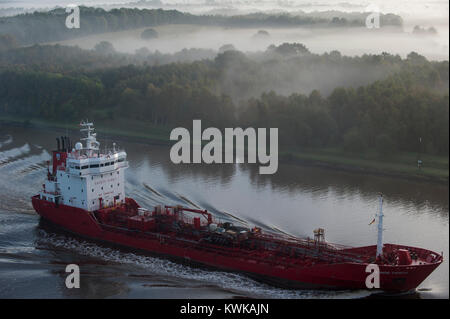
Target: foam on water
<point>163,267</point>
<point>5,156</point>
<point>26,164</point>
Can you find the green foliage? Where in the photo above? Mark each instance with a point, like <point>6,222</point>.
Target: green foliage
<point>7,42</point>
<point>49,95</point>
<point>385,146</point>
<point>149,34</point>
<point>104,47</point>
<point>289,49</point>
<point>354,142</point>
<point>235,89</point>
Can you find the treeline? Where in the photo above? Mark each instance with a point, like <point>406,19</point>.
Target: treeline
<point>286,69</point>
<point>389,114</point>
<point>386,116</point>
<point>39,27</point>
<point>48,95</point>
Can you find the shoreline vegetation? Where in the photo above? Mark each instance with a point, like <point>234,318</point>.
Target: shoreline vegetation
<point>369,113</point>
<point>435,169</point>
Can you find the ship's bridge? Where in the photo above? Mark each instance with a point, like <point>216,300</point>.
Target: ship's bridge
<point>89,160</point>
<point>96,163</point>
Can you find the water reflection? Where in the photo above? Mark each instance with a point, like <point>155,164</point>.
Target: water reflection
<point>295,200</point>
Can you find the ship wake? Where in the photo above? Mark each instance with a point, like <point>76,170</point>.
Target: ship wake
<point>160,267</point>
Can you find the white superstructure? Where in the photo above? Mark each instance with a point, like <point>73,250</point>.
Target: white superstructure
<point>85,177</point>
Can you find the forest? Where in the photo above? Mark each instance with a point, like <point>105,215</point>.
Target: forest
<point>39,27</point>
<point>384,102</point>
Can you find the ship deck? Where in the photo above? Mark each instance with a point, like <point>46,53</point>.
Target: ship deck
<point>260,247</point>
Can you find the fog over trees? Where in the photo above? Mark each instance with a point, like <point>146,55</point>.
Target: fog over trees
<point>379,101</point>
<point>38,27</point>
<point>373,101</point>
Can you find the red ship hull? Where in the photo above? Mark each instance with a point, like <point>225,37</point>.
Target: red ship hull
<point>345,275</point>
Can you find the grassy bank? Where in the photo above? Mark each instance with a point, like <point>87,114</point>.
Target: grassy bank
<point>434,168</point>
<point>404,165</point>
<point>134,130</point>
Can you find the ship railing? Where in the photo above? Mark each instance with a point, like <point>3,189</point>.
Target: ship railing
<point>270,257</point>
<point>332,250</point>
<point>273,243</point>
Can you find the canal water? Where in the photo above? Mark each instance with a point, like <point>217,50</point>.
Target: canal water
<point>296,200</point>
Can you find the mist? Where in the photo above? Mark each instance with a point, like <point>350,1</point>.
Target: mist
<point>348,41</point>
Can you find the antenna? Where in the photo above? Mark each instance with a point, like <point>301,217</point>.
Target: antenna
<point>91,142</point>
<point>380,228</point>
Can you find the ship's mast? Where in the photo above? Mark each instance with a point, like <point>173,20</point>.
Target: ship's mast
<point>380,228</point>
<point>92,144</point>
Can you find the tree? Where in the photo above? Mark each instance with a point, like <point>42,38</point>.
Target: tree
<point>227,47</point>
<point>384,145</point>
<point>105,48</point>
<point>149,34</point>
<point>7,42</point>
<point>353,141</point>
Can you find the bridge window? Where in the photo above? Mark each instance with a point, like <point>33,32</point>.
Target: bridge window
<point>84,167</point>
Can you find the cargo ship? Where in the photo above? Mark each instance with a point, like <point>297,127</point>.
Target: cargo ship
<point>84,193</point>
